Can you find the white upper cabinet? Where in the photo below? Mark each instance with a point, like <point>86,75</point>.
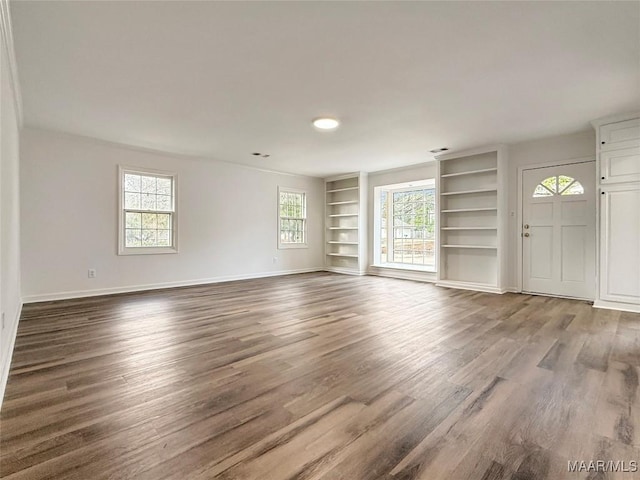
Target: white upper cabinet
<point>619,135</point>
<point>617,166</point>
<point>618,148</point>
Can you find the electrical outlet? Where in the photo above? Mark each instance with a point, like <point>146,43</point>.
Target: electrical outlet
<point>275,259</point>
<point>2,320</point>
<point>91,273</point>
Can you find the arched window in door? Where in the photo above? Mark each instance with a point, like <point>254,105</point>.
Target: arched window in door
<point>558,185</point>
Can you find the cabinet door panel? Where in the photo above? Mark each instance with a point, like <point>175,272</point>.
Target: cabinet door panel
<point>620,245</point>
<point>620,165</point>
<point>614,136</point>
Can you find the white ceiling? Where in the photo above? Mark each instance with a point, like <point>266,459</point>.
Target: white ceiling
<point>225,79</point>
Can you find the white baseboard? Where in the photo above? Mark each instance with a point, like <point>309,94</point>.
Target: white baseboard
<point>625,307</point>
<point>551,295</point>
<point>47,297</point>
<point>9,355</point>
<point>417,276</point>
<point>344,271</point>
<point>478,287</point>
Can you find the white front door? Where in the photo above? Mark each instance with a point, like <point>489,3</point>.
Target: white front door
<point>558,230</point>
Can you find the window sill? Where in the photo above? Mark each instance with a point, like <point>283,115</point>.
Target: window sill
<point>147,251</point>
<point>285,246</point>
<point>400,266</point>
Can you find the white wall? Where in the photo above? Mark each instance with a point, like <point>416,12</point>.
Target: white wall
<point>551,149</point>
<point>227,219</point>
<point>390,177</point>
<point>10,303</point>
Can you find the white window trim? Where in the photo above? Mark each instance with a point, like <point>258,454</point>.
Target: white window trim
<point>122,249</point>
<point>377,253</point>
<point>284,246</point>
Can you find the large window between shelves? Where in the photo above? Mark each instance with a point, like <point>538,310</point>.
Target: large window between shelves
<point>147,212</point>
<point>405,226</point>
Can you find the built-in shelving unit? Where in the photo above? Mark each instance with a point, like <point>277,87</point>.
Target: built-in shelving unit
<point>345,231</point>
<point>472,206</point>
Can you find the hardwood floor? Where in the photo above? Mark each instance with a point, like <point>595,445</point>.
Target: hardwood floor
<point>321,376</point>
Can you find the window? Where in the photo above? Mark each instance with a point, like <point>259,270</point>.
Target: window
<point>558,185</point>
<point>292,218</point>
<point>405,225</point>
<point>147,212</point>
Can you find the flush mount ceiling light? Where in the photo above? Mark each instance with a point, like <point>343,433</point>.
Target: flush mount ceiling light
<point>439,150</point>
<point>326,123</point>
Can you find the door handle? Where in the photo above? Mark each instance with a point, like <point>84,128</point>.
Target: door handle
<point>526,225</point>
<point>526,234</point>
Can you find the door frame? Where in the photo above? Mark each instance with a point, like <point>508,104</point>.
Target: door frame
<point>518,237</point>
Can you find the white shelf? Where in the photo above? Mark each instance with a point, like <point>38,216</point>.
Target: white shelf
<point>469,172</point>
<point>337,242</point>
<point>489,247</point>
<point>347,189</point>
<point>348,255</point>
<point>343,228</point>
<point>469,228</point>
<point>348,202</point>
<point>343,215</point>
<point>483,209</point>
<point>465,192</point>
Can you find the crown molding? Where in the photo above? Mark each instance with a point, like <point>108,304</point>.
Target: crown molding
<point>7,41</point>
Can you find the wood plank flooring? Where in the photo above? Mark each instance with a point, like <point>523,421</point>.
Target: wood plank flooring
<point>321,376</point>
